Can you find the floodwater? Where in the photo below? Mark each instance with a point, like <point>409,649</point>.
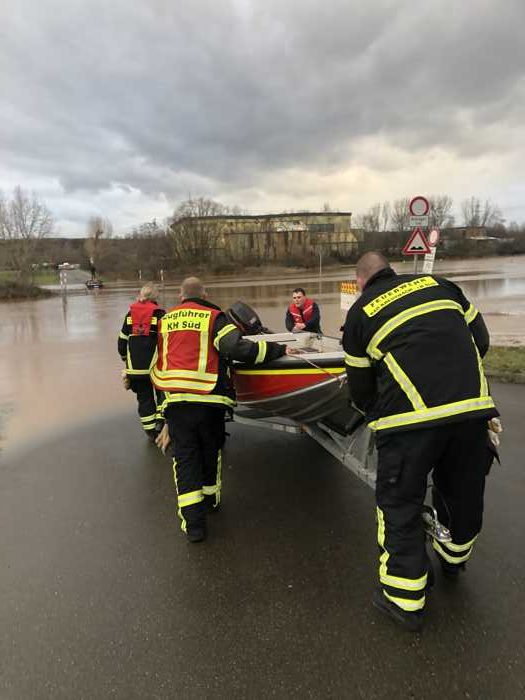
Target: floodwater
<point>58,359</point>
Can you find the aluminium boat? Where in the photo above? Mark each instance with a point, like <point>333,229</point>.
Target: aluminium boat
<point>305,387</point>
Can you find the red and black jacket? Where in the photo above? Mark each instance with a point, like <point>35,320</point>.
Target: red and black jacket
<point>308,314</point>
<point>137,339</point>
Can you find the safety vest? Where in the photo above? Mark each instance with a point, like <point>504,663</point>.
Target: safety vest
<point>304,314</point>
<point>141,317</point>
<point>187,362</point>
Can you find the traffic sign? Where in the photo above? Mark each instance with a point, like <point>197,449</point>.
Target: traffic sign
<point>417,244</point>
<point>419,206</point>
<point>433,237</point>
<point>418,221</point>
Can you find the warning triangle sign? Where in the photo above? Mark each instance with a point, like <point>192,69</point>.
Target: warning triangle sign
<point>417,244</point>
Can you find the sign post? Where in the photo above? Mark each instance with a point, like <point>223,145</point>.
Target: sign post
<point>417,244</point>
<point>433,239</point>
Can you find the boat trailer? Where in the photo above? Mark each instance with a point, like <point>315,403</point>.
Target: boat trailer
<point>355,449</point>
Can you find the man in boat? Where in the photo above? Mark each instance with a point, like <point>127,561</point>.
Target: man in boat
<point>196,341</point>
<point>413,347</point>
<point>137,343</point>
<point>303,313</point>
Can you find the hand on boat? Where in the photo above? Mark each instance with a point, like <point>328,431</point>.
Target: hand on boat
<point>292,351</point>
<point>163,439</point>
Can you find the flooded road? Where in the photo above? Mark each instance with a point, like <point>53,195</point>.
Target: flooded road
<point>59,365</point>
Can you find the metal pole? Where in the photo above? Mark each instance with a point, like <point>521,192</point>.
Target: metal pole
<point>415,264</point>
<point>320,270</point>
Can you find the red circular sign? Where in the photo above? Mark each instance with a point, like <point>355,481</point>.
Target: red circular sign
<point>419,206</point>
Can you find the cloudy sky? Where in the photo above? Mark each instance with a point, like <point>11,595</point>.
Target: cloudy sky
<point>123,108</point>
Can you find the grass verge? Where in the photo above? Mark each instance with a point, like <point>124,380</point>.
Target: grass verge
<point>506,364</point>
<point>13,291</point>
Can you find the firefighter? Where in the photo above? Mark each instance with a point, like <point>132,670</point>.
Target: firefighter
<point>195,343</point>
<point>303,313</point>
<point>413,347</point>
<point>137,344</point>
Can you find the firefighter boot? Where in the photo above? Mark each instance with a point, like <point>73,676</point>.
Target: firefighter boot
<point>412,621</point>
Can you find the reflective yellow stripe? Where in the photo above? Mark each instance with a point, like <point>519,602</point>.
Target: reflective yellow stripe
<point>179,511</point>
<point>224,331</point>
<point>406,603</point>
<point>448,557</point>
<point>375,306</point>
<point>166,375</point>
<point>407,315</point>
<point>461,547</point>
<point>129,320</point>
<point>184,384</point>
<point>483,386</point>
<point>172,397</point>
<point>354,361</point>
<point>134,372</point>
<point>165,337</point>
<point>261,354</point>
<point>209,490</point>
<point>435,413</point>
<point>203,353</point>
<point>285,371</point>
<point>189,499</point>
<point>471,313</point>
<point>154,320</point>
<point>147,419</point>
<point>404,382</point>
<point>407,584</point>
<point>123,336</point>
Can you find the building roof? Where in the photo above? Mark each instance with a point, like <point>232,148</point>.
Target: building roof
<point>267,216</point>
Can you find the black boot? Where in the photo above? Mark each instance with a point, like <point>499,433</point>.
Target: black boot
<point>412,621</point>
<point>196,533</point>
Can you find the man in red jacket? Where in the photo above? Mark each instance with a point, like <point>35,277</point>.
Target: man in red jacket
<point>303,313</point>
<point>137,343</point>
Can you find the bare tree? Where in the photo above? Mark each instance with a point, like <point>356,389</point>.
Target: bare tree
<point>99,230</point>
<point>370,220</point>
<point>440,211</point>
<point>400,214</point>
<point>385,215</point>
<point>476,213</point>
<point>195,231</point>
<point>24,221</point>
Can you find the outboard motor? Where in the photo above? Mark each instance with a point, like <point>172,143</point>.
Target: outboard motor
<point>246,319</point>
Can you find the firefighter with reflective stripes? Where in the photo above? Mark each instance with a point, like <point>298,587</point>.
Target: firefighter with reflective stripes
<point>137,344</point>
<point>413,350</point>
<point>196,342</point>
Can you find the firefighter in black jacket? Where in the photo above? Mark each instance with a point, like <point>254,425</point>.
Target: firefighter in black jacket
<point>137,344</point>
<point>413,347</point>
<point>196,341</point>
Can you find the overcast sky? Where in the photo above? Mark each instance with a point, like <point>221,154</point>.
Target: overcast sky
<point>122,108</point>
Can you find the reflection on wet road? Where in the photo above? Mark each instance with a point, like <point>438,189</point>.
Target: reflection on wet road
<point>59,364</point>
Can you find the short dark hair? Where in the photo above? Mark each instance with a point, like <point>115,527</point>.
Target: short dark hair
<point>299,289</point>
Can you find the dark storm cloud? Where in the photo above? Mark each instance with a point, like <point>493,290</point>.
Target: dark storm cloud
<point>162,95</point>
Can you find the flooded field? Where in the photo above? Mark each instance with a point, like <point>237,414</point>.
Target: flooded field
<point>59,364</point>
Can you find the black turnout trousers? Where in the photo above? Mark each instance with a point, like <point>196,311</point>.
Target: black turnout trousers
<point>458,456</point>
<point>197,435</point>
<point>146,399</point>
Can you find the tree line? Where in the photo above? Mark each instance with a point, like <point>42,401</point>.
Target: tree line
<point>190,238</point>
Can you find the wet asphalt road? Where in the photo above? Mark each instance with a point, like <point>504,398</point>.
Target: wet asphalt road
<point>102,597</point>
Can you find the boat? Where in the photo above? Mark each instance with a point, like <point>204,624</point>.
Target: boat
<point>94,284</point>
<point>305,387</point>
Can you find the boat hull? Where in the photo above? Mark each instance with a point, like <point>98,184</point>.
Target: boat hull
<point>302,394</point>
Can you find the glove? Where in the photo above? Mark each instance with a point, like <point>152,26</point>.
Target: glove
<point>494,430</point>
<point>163,439</point>
<point>125,380</point>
